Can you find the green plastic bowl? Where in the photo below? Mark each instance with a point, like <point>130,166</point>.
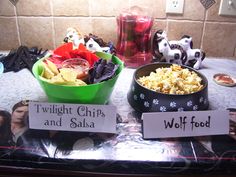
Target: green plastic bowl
<point>90,94</point>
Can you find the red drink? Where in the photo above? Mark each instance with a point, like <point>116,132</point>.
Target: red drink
<point>134,37</point>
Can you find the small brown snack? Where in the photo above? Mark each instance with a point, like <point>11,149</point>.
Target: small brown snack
<point>224,79</point>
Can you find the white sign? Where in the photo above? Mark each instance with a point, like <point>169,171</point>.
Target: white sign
<point>185,124</point>
<point>72,117</point>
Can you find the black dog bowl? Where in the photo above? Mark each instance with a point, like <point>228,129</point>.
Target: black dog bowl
<point>145,100</point>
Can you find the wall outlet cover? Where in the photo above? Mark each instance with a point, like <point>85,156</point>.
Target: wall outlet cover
<point>175,6</point>
<point>227,7</point>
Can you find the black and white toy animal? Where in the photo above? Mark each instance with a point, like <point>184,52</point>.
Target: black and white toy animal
<point>179,52</point>
<point>194,56</point>
<point>75,36</point>
<point>170,53</point>
<point>93,46</point>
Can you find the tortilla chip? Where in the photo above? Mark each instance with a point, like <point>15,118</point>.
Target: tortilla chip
<point>68,74</point>
<point>52,67</point>
<point>47,73</point>
<point>58,79</point>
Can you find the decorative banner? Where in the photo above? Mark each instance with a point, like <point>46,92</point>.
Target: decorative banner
<point>207,3</point>
<point>14,2</point>
<point>72,117</point>
<point>185,124</point>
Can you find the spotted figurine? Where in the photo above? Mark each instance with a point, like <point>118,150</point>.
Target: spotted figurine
<point>176,51</point>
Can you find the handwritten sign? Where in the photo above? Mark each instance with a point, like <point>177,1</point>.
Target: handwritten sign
<point>184,124</point>
<point>72,117</point>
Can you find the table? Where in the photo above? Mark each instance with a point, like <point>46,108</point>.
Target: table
<point>87,154</point>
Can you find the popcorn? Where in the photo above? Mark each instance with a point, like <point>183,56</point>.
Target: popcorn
<point>172,80</point>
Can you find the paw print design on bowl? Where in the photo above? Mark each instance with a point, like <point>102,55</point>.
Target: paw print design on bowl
<point>142,96</point>
<point>189,103</point>
<point>173,104</point>
<point>195,107</point>
<point>163,109</point>
<point>146,104</point>
<point>133,89</point>
<point>180,109</point>
<point>155,101</point>
<point>201,99</point>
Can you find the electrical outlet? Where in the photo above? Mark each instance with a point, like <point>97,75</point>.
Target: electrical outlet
<point>175,6</point>
<point>227,7</point>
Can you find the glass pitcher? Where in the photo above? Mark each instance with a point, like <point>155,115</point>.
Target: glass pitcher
<point>134,36</point>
